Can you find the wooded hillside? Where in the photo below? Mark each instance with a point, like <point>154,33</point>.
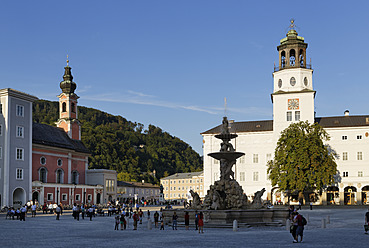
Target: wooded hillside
<point>117,144</point>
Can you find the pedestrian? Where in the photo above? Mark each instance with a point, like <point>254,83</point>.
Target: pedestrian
<point>140,214</point>
<point>117,221</point>
<point>196,220</point>
<point>201,223</point>
<point>300,227</point>
<point>156,219</point>
<point>23,212</point>
<point>135,220</point>
<point>174,219</point>
<point>293,226</point>
<point>187,220</point>
<point>91,212</point>
<point>44,208</point>
<point>57,211</point>
<point>162,222</point>
<point>148,214</point>
<point>122,222</point>
<point>311,205</point>
<point>83,211</point>
<point>300,204</point>
<point>366,225</point>
<point>33,209</point>
<point>74,210</point>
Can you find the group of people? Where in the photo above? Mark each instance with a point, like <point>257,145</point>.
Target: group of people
<point>297,225</point>
<point>20,213</point>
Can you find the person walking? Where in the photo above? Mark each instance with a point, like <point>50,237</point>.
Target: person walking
<point>140,214</point>
<point>23,212</point>
<point>293,226</point>
<point>44,208</point>
<point>196,220</point>
<point>187,220</point>
<point>174,219</point>
<point>83,211</point>
<point>300,227</point>
<point>156,219</point>
<point>201,223</point>
<point>162,221</point>
<point>33,209</point>
<point>122,222</point>
<point>90,212</point>
<point>311,205</point>
<point>57,211</point>
<point>135,220</point>
<point>117,221</point>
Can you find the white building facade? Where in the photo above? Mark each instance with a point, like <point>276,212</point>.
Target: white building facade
<point>293,101</point>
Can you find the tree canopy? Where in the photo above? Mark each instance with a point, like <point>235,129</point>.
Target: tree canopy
<point>301,161</point>
<point>118,144</point>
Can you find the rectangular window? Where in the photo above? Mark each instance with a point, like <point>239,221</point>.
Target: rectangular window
<point>345,174</point>
<point>64,197</point>
<point>242,159</point>
<point>109,185</point>
<point>20,110</point>
<point>344,156</point>
<point>190,181</point>
<point>268,157</point>
<point>174,188</point>
<point>255,176</point>
<point>289,116</point>
<point>50,196</point>
<point>78,197</point>
<point>359,155</point>
<point>359,137</point>
<point>19,133</point>
<point>200,186</point>
<point>297,116</point>
<point>255,158</point>
<point>19,174</point>
<point>242,176</point>
<point>19,155</point>
<point>344,137</point>
<point>360,174</point>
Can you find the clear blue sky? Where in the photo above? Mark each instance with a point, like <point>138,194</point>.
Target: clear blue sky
<point>167,63</point>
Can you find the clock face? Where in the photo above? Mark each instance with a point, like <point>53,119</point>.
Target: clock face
<point>293,104</point>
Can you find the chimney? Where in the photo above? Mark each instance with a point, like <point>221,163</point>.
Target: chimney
<point>347,113</point>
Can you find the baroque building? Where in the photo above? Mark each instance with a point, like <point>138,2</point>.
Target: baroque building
<point>293,99</point>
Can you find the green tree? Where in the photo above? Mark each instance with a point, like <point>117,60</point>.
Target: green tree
<point>301,161</point>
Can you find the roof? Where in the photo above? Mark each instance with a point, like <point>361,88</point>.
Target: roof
<point>267,125</point>
<point>56,137</point>
<point>18,94</point>
<point>184,175</point>
<point>137,185</point>
<point>101,171</point>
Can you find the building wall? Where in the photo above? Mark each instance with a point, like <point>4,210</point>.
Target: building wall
<point>178,188</point>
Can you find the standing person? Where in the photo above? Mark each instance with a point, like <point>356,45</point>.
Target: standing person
<point>135,220</point>
<point>300,227</point>
<point>187,220</point>
<point>91,212</point>
<point>140,214</point>
<point>44,208</point>
<point>293,226</point>
<point>83,211</point>
<point>148,214</point>
<point>117,221</point>
<point>57,211</point>
<point>23,212</point>
<point>156,219</point>
<point>77,212</point>
<point>74,209</point>
<point>33,209</point>
<point>201,222</point>
<point>122,222</point>
<point>127,217</point>
<point>162,221</point>
<point>174,219</point>
<point>196,220</point>
<point>366,225</point>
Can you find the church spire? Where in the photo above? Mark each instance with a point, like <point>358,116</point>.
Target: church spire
<point>67,85</point>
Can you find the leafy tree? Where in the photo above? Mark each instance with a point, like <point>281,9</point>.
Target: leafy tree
<point>302,162</point>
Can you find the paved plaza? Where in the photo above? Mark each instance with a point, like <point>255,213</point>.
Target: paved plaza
<point>345,230</point>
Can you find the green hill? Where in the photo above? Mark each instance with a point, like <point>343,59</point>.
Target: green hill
<point>125,146</point>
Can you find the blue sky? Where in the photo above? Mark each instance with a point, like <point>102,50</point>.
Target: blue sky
<point>171,63</point>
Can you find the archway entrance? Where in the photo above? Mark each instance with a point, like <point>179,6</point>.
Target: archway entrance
<point>350,195</point>
<point>35,197</point>
<point>19,197</point>
<point>365,195</point>
<point>333,195</point>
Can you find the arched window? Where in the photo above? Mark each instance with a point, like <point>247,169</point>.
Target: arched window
<point>301,58</point>
<point>73,107</point>
<point>283,59</point>
<point>75,177</point>
<point>292,57</point>
<point>43,174</point>
<point>59,176</point>
<point>64,107</point>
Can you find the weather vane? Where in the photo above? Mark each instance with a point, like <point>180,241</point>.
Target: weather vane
<point>292,26</point>
<point>67,60</point>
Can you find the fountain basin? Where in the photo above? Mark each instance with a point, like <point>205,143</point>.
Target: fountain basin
<point>229,156</point>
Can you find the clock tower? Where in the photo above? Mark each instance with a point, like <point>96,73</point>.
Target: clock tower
<point>293,94</point>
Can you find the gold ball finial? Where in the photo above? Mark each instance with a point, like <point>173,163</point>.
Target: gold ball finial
<point>67,60</point>
<point>292,25</point>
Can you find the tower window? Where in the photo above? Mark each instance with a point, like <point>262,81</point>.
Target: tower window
<point>292,57</point>
<point>289,116</point>
<point>306,82</point>
<point>301,58</point>
<point>297,116</point>
<point>283,59</point>
<point>280,83</point>
<point>19,174</point>
<point>73,107</point>
<point>292,81</point>
<point>64,107</point>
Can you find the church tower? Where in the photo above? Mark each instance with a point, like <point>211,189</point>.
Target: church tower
<point>293,94</point>
<point>68,116</point>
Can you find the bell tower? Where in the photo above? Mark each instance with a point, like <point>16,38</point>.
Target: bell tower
<point>68,114</point>
<point>293,94</point>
